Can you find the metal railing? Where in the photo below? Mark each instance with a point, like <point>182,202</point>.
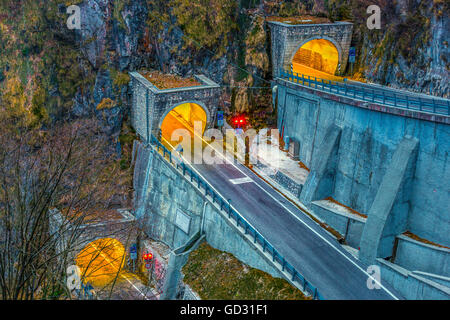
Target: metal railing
<point>240,221</point>
<point>363,92</point>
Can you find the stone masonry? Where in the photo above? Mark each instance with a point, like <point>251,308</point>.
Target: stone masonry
<point>286,39</point>
<point>151,105</point>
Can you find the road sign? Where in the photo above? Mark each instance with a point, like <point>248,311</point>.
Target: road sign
<point>220,121</point>
<point>133,255</point>
<point>352,54</point>
<point>133,248</point>
<point>148,265</point>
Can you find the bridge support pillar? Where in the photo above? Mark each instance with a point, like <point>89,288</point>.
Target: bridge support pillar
<point>320,182</point>
<point>388,214</point>
<point>177,260</point>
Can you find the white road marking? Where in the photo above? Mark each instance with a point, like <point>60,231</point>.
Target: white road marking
<point>241,180</point>
<point>288,210</point>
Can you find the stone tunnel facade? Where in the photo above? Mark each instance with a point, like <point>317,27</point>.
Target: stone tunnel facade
<point>287,39</point>
<point>151,105</point>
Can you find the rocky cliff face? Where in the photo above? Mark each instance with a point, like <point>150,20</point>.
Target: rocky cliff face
<point>411,49</point>
<point>49,72</point>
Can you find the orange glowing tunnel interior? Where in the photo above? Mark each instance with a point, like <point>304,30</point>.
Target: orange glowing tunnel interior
<point>101,261</point>
<point>317,58</point>
<point>183,116</point>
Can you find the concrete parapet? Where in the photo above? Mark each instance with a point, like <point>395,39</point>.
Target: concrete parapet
<point>349,226</point>
<point>412,285</point>
<point>415,255</point>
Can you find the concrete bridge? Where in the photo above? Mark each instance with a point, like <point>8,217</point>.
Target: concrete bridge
<point>381,152</point>
<point>384,158</point>
<point>370,156</point>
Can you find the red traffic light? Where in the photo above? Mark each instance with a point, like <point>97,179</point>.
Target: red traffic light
<point>239,120</point>
<point>147,256</point>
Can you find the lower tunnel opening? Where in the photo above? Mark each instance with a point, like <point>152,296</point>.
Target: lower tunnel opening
<point>317,58</point>
<point>183,116</point>
<point>101,261</point>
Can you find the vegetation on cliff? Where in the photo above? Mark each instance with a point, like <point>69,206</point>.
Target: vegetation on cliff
<point>44,65</point>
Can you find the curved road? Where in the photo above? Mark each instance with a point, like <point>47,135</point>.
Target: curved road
<point>311,250</point>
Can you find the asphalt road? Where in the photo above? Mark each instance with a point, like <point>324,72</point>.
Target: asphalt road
<point>310,249</point>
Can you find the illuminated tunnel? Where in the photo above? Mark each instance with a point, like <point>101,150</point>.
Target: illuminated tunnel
<point>318,58</point>
<point>183,116</point>
<point>101,261</point>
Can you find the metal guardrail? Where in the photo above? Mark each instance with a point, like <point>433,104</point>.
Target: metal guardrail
<point>381,96</point>
<point>240,221</point>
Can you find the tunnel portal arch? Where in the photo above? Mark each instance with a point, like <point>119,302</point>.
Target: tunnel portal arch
<point>192,102</point>
<point>287,39</point>
<point>312,44</point>
<point>101,260</point>
<point>183,115</point>
<point>151,105</point>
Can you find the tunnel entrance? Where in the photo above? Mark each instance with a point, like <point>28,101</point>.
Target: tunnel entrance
<point>101,261</point>
<point>182,116</point>
<point>317,58</point>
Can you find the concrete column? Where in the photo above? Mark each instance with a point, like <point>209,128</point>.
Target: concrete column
<point>177,260</point>
<point>320,182</point>
<point>388,214</point>
<point>173,275</point>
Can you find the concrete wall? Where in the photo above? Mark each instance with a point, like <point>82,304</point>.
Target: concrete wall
<point>287,39</point>
<point>412,286</point>
<point>74,238</point>
<point>151,105</point>
<point>389,211</point>
<point>348,225</point>
<point>174,285</point>
<point>367,143</point>
<point>415,255</point>
<point>162,196</point>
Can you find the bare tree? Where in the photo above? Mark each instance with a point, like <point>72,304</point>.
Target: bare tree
<point>68,168</point>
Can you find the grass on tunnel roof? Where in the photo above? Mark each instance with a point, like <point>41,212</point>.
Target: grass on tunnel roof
<point>169,81</point>
<point>299,20</point>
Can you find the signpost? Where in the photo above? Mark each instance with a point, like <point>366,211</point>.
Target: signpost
<point>133,254</point>
<point>351,57</point>
<point>87,290</point>
<point>220,119</point>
